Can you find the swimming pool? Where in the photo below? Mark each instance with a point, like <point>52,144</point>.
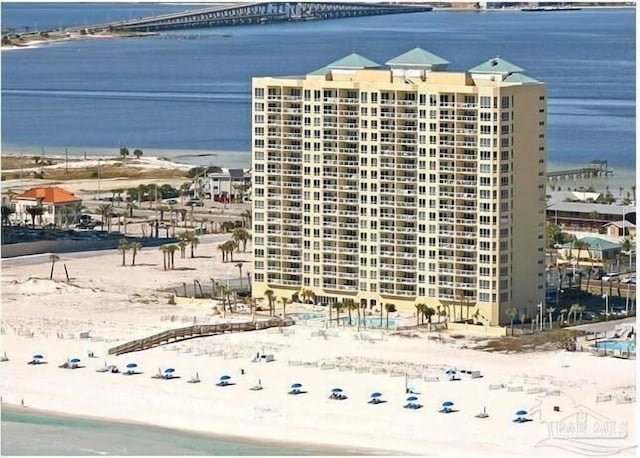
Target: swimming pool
<point>306,316</point>
<point>371,322</point>
<point>617,345</point>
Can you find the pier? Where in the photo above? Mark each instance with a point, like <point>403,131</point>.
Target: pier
<point>192,332</point>
<point>593,170</point>
<point>228,14</point>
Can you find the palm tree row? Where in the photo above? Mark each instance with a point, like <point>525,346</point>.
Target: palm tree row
<point>124,245</point>
<point>227,248</point>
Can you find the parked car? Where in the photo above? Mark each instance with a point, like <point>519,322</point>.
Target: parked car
<point>194,203</point>
<point>170,201</point>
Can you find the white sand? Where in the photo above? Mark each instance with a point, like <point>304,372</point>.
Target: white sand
<point>119,303</point>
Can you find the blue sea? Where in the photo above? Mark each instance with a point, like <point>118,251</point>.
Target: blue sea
<point>189,91</point>
<point>27,432</point>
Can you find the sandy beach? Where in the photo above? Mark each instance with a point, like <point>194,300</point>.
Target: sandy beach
<point>114,304</point>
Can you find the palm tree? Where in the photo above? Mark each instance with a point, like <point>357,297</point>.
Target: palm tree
<point>511,313</point>
<point>182,244</point>
<point>285,301</point>
<point>184,191</point>
<point>429,312</point>
<point>223,250</point>
<point>574,310</point>
<point>550,311</point>
<point>172,251</point>
<point>270,295</point>
<point>7,211</point>
<point>349,304</point>
<point>194,242</point>
<point>580,245</point>
<point>419,309</point>
<point>390,308</point>
<point>135,247</point>
<point>247,216</point>
<point>137,153</point>
<point>239,266</point>
<point>164,250</point>
<point>53,258</point>
<point>35,210</point>
<point>581,308</point>
<point>123,247</point>
<point>439,312</point>
<point>124,152</point>
<point>231,246</point>
<point>104,211</point>
<point>338,306</point>
<point>563,312</point>
<point>241,235</point>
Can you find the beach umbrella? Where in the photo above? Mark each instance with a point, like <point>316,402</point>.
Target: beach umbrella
<point>169,370</point>
<point>38,356</point>
<point>376,395</point>
<point>451,370</point>
<point>296,385</point>
<point>337,390</point>
<point>412,398</point>
<point>74,360</point>
<point>225,377</point>
<point>132,366</point>
<point>521,412</point>
<point>447,404</point>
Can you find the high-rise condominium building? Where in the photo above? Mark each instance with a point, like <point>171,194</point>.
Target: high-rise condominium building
<point>403,184</point>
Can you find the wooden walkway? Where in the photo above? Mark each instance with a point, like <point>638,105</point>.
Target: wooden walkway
<point>190,332</point>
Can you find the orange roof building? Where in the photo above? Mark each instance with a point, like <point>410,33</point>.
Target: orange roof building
<point>51,195</point>
<point>59,207</point>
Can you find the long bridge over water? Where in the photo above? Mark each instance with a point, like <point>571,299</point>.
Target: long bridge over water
<point>257,13</point>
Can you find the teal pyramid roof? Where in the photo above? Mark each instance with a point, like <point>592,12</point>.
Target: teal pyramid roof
<point>418,57</point>
<point>595,243</point>
<point>353,61</point>
<point>520,78</point>
<point>496,65</point>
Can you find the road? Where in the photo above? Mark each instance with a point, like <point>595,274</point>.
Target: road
<point>44,258</point>
<point>604,326</point>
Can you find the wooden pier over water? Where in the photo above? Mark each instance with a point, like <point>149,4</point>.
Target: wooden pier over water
<point>226,14</point>
<point>594,169</point>
<point>192,332</point>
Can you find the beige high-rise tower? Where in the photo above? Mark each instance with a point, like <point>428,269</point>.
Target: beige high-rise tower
<point>403,184</point>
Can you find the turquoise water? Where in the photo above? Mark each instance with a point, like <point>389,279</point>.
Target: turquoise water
<point>306,316</point>
<point>372,322</point>
<point>617,345</point>
<point>36,433</point>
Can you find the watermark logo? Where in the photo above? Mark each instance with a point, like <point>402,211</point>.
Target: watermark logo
<point>580,429</point>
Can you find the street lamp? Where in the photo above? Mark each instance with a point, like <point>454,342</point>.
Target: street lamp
<point>541,324</point>
<point>606,306</point>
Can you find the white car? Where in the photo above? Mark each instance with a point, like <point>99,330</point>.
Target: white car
<point>170,201</point>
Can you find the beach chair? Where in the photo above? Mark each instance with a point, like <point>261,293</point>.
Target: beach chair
<point>445,410</point>
<point>256,388</point>
<point>483,414</point>
<point>195,379</point>
<point>296,391</point>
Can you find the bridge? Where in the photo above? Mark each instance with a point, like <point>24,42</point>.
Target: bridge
<point>257,13</point>
<point>192,332</point>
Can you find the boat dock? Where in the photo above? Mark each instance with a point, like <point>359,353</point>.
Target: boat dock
<point>593,170</point>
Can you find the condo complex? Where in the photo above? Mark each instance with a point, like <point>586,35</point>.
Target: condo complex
<point>402,184</point>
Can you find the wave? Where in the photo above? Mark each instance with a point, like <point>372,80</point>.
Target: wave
<point>227,97</point>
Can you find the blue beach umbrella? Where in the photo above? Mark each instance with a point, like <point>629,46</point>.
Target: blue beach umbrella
<point>74,360</point>
<point>169,370</point>
<point>225,377</point>
<point>447,404</point>
<point>296,385</point>
<point>38,356</point>
<point>521,412</point>
<point>376,395</point>
<point>337,390</point>
<point>412,398</point>
<point>451,370</point>
<point>132,366</point>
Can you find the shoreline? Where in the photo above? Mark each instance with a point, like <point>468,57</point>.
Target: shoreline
<point>289,444</point>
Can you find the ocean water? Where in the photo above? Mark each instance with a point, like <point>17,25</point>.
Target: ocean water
<point>190,90</point>
<point>36,433</point>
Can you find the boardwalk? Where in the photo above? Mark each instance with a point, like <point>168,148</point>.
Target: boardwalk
<point>191,332</point>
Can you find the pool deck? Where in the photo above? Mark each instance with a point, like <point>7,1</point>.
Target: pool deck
<point>604,326</point>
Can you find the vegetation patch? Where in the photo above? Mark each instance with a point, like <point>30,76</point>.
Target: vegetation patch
<point>555,339</point>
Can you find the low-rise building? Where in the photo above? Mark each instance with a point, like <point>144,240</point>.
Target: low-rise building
<point>588,216</point>
<point>57,205</point>
<point>234,184</point>
<point>621,229</point>
<point>597,252</point>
